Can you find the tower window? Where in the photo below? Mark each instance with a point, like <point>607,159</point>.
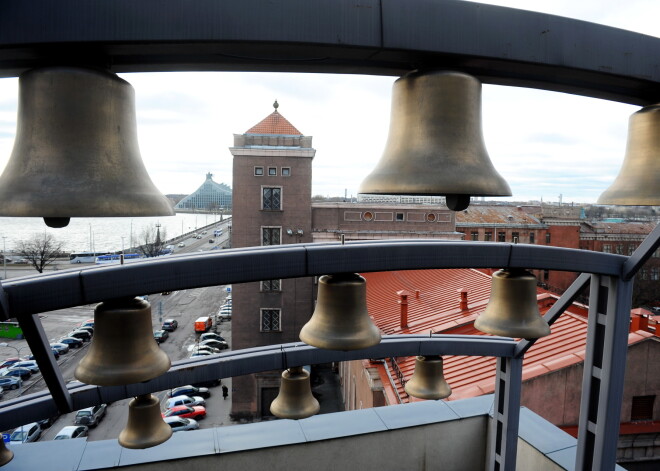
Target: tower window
<point>272,199</point>
<point>286,171</point>
<point>270,320</point>
<point>258,171</point>
<point>271,236</point>
<point>272,171</point>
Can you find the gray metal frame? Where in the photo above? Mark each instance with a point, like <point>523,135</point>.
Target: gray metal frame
<point>381,37</point>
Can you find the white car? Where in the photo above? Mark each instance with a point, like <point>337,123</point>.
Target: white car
<point>29,364</point>
<point>185,401</point>
<point>25,434</point>
<point>179,424</point>
<point>181,244</point>
<point>72,431</point>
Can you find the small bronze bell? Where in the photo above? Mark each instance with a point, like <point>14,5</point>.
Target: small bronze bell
<point>295,400</point>
<point>6,455</point>
<point>428,381</point>
<point>638,182</point>
<point>512,309</point>
<point>435,144</point>
<point>76,150</point>
<point>123,350</point>
<point>340,320</point>
<point>145,427</point>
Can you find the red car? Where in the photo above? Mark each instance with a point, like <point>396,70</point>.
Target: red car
<point>195,412</point>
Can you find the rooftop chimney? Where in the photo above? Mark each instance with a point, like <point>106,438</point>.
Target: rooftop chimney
<point>463,299</point>
<point>403,302</point>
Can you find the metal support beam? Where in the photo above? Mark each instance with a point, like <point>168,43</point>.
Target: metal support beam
<point>38,343</point>
<point>556,310</point>
<point>503,433</point>
<point>604,372</point>
<point>645,250</point>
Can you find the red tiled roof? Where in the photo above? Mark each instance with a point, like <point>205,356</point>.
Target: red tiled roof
<point>274,123</point>
<point>437,309</point>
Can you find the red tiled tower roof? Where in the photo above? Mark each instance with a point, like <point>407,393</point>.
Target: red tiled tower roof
<point>274,123</point>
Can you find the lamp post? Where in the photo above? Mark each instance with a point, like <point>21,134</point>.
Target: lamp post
<point>4,254</point>
<point>18,354</point>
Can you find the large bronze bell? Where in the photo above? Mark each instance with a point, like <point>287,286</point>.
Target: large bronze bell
<point>145,427</point>
<point>295,400</point>
<point>435,144</point>
<point>512,309</point>
<point>123,350</point>
<point>6,455</point>
<point>638,182</point>
<point>76,150</point>
<point>340,320</point>
<point>428,380</point>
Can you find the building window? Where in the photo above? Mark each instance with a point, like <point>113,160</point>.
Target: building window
<point>488,236</point>
<point>531,237</point>
<point>258,171</point>
<point>642,408</point>
<point>474,235</point>
<point>399,217</point>
<point>272,199</point>
<point>631,248</point>
<point>644,274</point>
<point>271,236</point>
<point>619,249</point>
<point>546,275</point>
<point>656,254</point>
<point>368,216</point>
<point>547,237</point>
<point>430,217</point>
<point>286,171</point>
<point>607,248</point>
<point>515,237</point>
<point>501,236</point>
<point>272,171</point>
<point>655,273</point>
<point>270,320</point>
<point>271,285</point>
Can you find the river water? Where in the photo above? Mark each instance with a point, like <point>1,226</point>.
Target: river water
<point>101,234</point>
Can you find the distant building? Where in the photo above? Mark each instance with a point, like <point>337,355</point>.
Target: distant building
<point>209,197</point>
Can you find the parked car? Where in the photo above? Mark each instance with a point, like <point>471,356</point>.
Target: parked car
<point>189,390</point>
<point>9,362</point>
<point>224,313</point>
<point>22,373</point>
<point>87,323</point>
<point>87,328</point>
<point>205,348</point>
<point>180,424</point>
<point>46,423</point>
<point>161,336</point>
<point>10,382</point>
<point>211,241</point>
<point>211,383</point>
<point>72,431</point>
<point>81,334</point>
<point>188,412</point>
<point>202,353</point>
<point>90,416</point>
<point>170,325</point>
<point>72,342</point>
<point>25,434</point>
<point>185,401</point>
<point>55,353</point>
<point>211,336</point>
<point>29,364</point>
<point>60,347</point>
<point>181,244</point>
<point>220,345</point>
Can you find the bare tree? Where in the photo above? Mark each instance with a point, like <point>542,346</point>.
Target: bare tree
<point>153,241</point>
<point>40,250</point>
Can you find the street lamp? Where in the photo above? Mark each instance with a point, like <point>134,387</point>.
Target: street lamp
<point>18,354</point>
<point>4,254</point>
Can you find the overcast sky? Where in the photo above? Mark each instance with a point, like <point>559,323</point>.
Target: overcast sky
<point>543,143</point>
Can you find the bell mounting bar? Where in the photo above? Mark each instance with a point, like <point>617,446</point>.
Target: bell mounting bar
<point>498,45</point>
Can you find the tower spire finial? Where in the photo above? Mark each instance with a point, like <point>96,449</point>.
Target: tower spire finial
<point>276,105</point>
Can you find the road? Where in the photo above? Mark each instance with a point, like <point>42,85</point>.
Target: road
<point>184,306</point>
